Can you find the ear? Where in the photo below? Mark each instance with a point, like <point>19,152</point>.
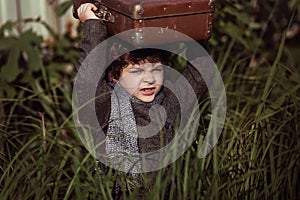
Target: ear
<point>112,78</point>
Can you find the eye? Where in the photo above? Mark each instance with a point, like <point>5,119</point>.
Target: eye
<point>135,71</point>
<point>158,69</point>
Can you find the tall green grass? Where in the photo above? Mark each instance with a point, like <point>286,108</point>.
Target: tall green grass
<point>257,155</point>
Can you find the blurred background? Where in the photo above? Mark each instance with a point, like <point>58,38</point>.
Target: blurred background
<point>45,10</point>
<point>256,47</point>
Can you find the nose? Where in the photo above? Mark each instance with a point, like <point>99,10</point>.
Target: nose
<point>149,78</point>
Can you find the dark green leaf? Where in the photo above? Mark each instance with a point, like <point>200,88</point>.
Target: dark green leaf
<point>29,42</point>
<point>233,30</point>
<point>7,91</point>
<point>9,25</point>
<point>51,2</point>
<point>7,43</point>
<point>30,38</point>
<point>34,60</point>
<point>10,70</point>
<point>62,8</point>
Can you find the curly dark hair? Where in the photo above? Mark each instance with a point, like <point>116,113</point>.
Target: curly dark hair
<point>138,56</point>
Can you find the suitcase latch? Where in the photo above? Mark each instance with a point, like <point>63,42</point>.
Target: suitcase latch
<point>105,15</point>
<point>137,11</point>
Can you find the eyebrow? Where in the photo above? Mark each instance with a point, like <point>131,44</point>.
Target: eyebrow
<point>135,67</point>
<point>154,65</point>
<point>159,65</point>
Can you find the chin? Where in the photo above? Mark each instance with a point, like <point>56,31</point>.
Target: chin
<point>146,99</point>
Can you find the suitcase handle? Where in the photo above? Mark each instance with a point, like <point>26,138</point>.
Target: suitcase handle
<point>104,14</point>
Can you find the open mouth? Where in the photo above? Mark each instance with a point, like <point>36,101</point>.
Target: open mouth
<point>148,91</point>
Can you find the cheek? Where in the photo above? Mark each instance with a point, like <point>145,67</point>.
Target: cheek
<point>129,83</point>
<point>159,78</point>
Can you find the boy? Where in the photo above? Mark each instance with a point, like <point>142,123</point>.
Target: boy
<point>132,85</point>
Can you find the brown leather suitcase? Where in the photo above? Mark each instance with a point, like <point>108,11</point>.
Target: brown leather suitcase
<point>190,17</point>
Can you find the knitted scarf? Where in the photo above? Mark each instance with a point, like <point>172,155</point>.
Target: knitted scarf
<point>122,138</point>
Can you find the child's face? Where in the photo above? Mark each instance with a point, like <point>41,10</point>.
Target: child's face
<point>143,81</point>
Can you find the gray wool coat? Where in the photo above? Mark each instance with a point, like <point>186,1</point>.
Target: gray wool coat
<point>94,32</point>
